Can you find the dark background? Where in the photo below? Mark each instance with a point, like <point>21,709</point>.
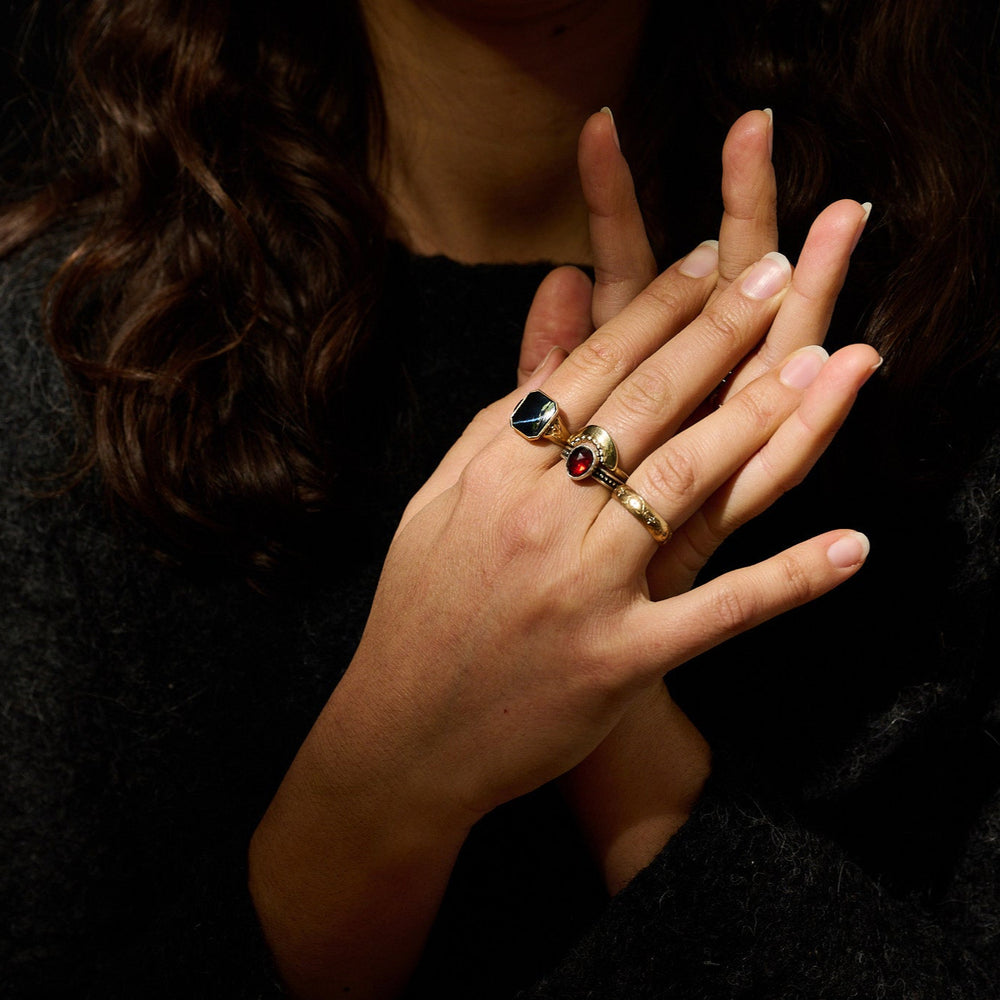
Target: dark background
<point>30,60</point>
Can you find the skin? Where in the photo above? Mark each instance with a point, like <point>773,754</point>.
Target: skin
<point>504,649</point>
<point>484,103</point>
<point>638,787</point>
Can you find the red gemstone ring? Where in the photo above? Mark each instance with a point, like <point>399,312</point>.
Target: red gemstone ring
<point>592,453</point>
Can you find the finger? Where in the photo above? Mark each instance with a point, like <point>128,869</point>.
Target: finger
<point>559,317</point>
<point>749,227</point>
<point>666,306</point>
<point>652,402</point>
<point>623,261</point>
<point>483,429</point>
<point>665,634</point>
<point>785,459</point>
<point>679,477</point>
<point>805,313</point>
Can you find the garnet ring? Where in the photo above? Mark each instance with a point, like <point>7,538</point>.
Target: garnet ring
<point>592,454</point>
<point>537,416</point>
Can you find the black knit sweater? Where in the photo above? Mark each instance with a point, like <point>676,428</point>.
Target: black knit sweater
<point>847,845</point>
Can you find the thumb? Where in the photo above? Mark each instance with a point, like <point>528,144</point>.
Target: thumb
<point>559,317</point>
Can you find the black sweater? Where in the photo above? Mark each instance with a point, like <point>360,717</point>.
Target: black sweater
<point>847,845</point>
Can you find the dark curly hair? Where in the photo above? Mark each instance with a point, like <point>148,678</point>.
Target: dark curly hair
<point>215,161</point>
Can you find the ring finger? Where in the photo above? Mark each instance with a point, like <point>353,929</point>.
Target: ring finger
<point>679,478</point>
<point>651,402</point>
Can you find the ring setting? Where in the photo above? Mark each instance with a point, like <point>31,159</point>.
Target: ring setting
<point>537,416</point>
<point>593,453</point>
<point>589,454</point>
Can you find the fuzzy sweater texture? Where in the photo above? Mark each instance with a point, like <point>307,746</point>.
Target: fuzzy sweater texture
<point>847,845</point>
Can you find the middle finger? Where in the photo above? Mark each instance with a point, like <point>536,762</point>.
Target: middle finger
<point>650,403</point>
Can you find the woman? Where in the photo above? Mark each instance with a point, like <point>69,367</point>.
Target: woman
<point>146,744</point>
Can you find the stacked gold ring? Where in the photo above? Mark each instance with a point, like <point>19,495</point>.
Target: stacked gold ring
<point>592,454</point>
<point>589,454</point>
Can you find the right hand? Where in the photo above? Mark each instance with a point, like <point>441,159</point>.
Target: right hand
<point>513,623</point>
<point>639,785</point>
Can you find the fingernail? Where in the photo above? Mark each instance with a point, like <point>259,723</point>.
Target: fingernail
<point>867,206</point>
<point>849,550</point>
<point>547,358</point>
<point>878,364</point>
<point>767,277</point>
<point>801,368</point>
<point>702,261</point>
<point>770,132</point>
<point>614,128</point>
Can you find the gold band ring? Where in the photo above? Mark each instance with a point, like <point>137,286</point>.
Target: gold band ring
<point>643,513</point>
<point>537,416</point>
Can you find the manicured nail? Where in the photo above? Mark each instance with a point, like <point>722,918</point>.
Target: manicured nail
<point>702,261</point>
<point>801,369</point>
<point>867,206</point>
<point>770,132</point>
<point>849,550</point>
<point>614,128</point>
<point>767,277</point>
<point>547,358</point>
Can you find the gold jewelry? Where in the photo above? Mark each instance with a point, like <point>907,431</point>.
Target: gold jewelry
<point>592,453</point>
<point>537,416</point>
<point>645,514</point>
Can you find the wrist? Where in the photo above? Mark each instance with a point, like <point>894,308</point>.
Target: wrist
<point>639,786</point>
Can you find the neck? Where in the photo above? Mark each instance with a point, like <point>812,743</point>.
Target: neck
<point>484,102</point>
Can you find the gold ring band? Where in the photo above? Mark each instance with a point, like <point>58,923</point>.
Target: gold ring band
<point>643,513</point>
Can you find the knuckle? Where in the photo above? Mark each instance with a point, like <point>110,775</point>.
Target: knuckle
<point>757,409</point>
<point>476,482</point>
<point>644,394</point>
<point>672,473</point>
<point>666,297</point>
<point>795,581</point>
<point>731,610</point>
<point>484,425</point>
<point>598,356</point>
<point>723,328</point>
<point>524,528</point>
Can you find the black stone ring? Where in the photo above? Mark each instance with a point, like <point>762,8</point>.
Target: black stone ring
<point>537,416</point>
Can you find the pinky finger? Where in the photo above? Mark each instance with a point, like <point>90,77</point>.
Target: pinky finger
<point>680,628</point>
<point>781,464</point>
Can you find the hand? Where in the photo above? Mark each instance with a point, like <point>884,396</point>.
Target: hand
<point>638,787</point>
<point>568,307</point>
<point>513,625</point>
